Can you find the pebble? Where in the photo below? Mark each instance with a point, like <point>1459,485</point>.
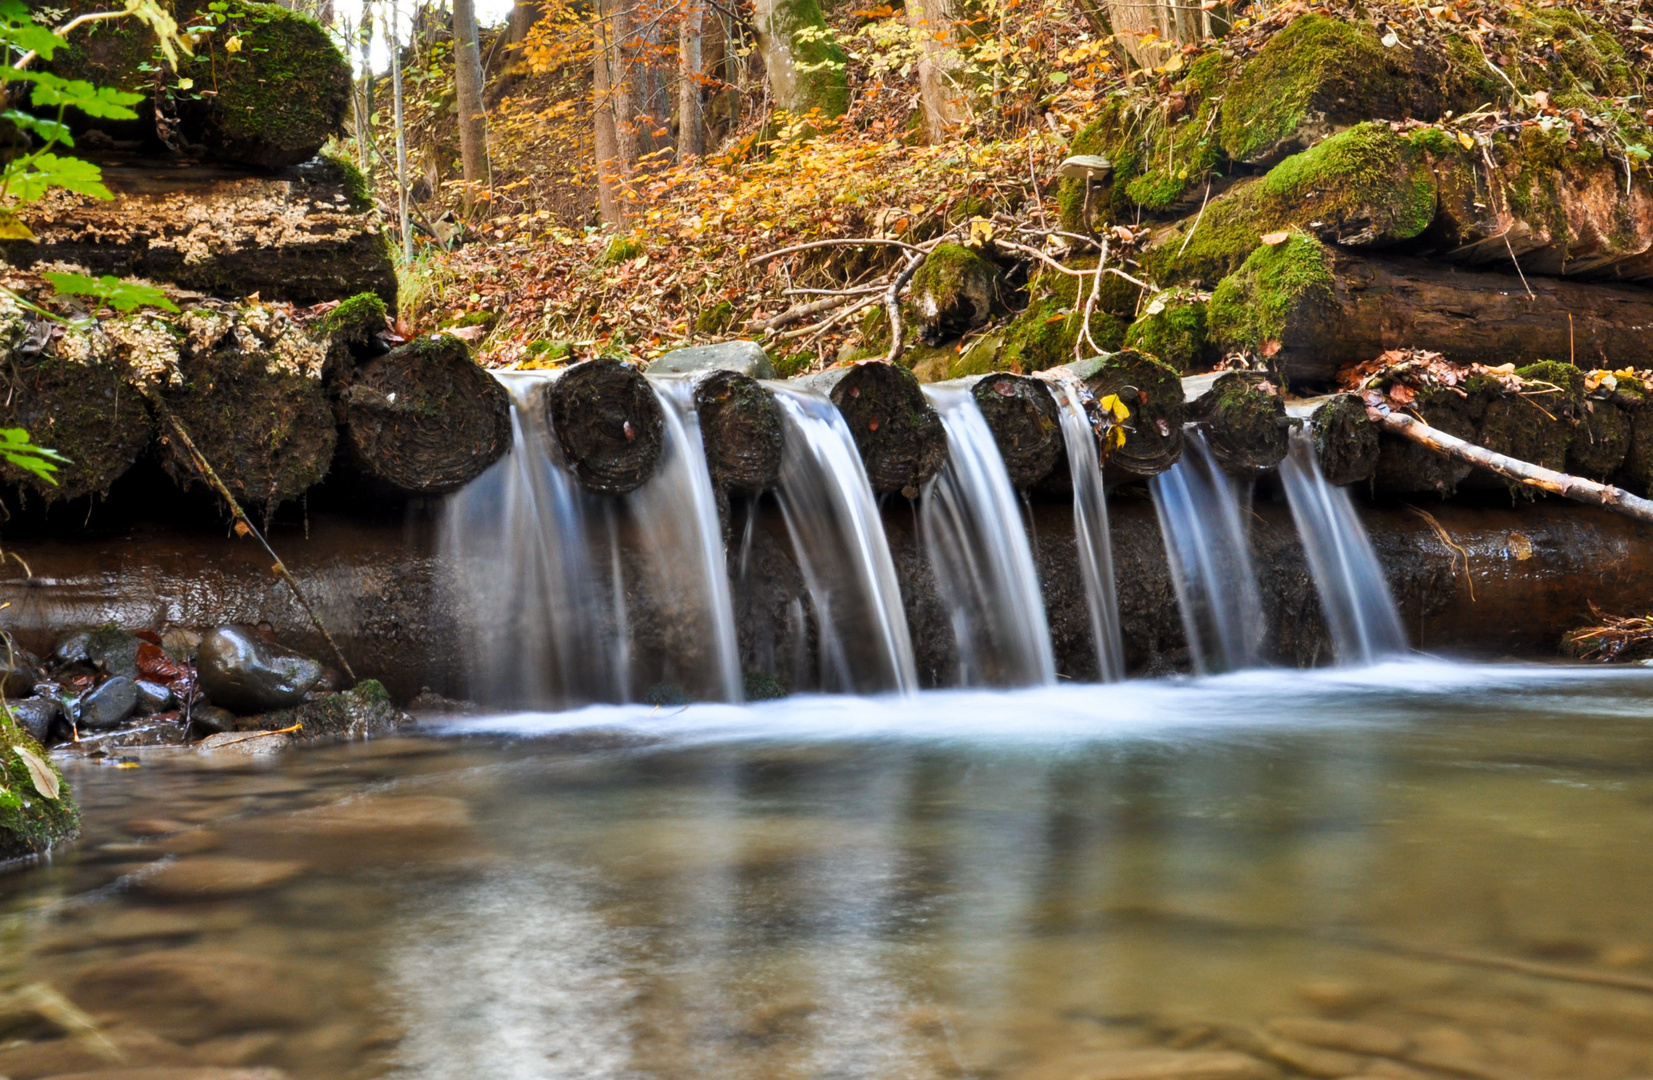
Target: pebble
<point>152,697</point>
<point>109,703</point>
<point>217,876</point>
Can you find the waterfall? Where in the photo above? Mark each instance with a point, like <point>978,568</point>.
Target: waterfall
<point>1360,611</point>
<point>556,617</point>
<point>1090,530</point>
<point>1202,514</point>
<point>839,543</point>
<point>984,569</point>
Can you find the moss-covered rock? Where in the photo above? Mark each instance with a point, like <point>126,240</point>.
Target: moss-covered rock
<point>357,319</point>
<point>1172,327</point>
<point>1250,308</point>
<point>954,292</point>
<point>1345,441</point>
<point>1046,333</point>
<point>1601,439</point>
<point>1243,414</point>
<point>31,820</point>
<point>359,713</point>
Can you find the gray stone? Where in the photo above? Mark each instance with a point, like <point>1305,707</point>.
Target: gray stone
<point>152,697</point>
<point>71,647</point>
<point>210,720</point>
<point>114,651</point>
<point>745,357</point>
<point>36,716</point>
<point>247,675</point>
<point>109,703</point>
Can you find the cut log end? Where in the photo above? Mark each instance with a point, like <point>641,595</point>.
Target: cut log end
<point>609,424</point>
<point>897,433</point>
<point>425,418</point>
<point>1245,415</point>
<point>1345,441</point>
<point>1152,392</point>
<point>740,427</point>
<point>84,410</point>
<point>1026,428</point>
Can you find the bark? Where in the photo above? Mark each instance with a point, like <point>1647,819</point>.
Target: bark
<point>740,426</point>
<point>803,74</point>
<point>615,134</point>
<point>302,236</point>
<point>425,418</point>
<point>1153,393</point>
<point>608,423</point>
<point>404,211</point>
<point>1022,415</point>
<point>473,116</point>
<point>524,14</point>
<point>1345,442</point>
<point>1174,21</point>
<point>691,133</point>
<point>1246,418</point>
<point>1521,472</point>
<point>1375,305</point>
<point>897,432</point>
<point>942,75</point>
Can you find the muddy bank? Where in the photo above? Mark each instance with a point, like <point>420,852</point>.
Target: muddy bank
<point>1535,570</point>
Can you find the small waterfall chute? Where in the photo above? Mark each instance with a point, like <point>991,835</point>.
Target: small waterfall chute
<point>979,550</point>
<point>1202,514</point>
<point>1090,529</point>
<point>1360,610</point>
<point>842,552</point>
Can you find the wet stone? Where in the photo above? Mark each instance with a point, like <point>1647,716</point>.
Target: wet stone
<point>742,357</point>
<point>114,651</point>
<point>242,673</point>
<point>153,827</point>
<point>71,647</point>
<point>211,720</point>
<point>19,670</point>
<point>109,703</point>
<point>217,876</point>
<point>193,994</point>
<point>36,716</point>
<point>152,697</point>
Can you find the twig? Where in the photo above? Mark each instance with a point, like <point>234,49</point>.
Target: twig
<point>849,242</point>
<point>1446,538</point>
<point>1197,218</point>
<point>892,307</point>
<point>1054,265</point>
<point>260,735</point>
<point>1090,305</point>
<point>801,312</point>
<point>242,522</point>
<point>816,329</point>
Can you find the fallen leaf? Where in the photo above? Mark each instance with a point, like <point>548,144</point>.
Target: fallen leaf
<point>1401,394</point>
<point>1273,238</point>
<point>1467,140</point>
<point>45,780</point>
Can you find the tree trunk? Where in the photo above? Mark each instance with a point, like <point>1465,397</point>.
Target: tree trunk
<point>524,14</point>
<point>941,68</point>
<point>404,212</point>
<point>897,432</point>
<point>364,41</point>
<point>1374,305</point>
<point>473,116</point>
<point>798,91</point>
<point>740,425</point>
<point>1146,27</point>
<point>608,422</point>
<point>425,418</point>
<point>691,140</point>
<point>1345,442</point>
<point>605,131</point>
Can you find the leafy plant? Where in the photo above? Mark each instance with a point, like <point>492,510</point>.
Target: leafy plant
<point>108,289</point>
<point>16,448</point>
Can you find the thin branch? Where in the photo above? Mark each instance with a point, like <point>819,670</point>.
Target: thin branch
<point>851,242</point>
<point>892,307</point>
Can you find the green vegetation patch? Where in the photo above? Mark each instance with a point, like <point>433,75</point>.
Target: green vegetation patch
<point>31,820</point>
<point>1172,328</point>
<point>1252,306</point>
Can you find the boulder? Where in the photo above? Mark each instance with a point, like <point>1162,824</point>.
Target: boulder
<point>113,651</point>
<point>152,697</point>
<point>36,716</point>
<point>954,292</point>
<point>107,704</point>
<point>741,357</point>
<point>247,675</point>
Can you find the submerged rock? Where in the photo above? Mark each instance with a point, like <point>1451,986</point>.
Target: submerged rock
<point>109,703</point>
<point>248,676</point>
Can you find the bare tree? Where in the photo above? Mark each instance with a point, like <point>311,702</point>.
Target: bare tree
<point>473,116</point>
<point>691,136</point>
<point>401,133</point>
<point>614,124</point>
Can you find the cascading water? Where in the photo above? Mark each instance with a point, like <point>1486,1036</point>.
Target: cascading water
<point>1090,531</point>
<point>1360,610</point>
<point>543,570</point>
<point>838,539</point>
<point>1202,514</point>
<point>984,568</point>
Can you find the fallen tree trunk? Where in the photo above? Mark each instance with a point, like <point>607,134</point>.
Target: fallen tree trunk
<point>896,431</point>
<point>1246,419</point>
<point>1152,392</point>
<point>740,427</point>
<point>425,418</point>
<point>608,422</point>
<point>1522,472</point>
<point>1318,309</point>
<point>1021,413</point>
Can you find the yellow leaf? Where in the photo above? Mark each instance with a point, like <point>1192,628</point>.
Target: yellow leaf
<point>186,84</point>
<point>1273,238</point>
<point>1174,64</point>
<point>13,229</point>
<point>45,780</point>
<point>233,45</point>
<point>1467,140</point>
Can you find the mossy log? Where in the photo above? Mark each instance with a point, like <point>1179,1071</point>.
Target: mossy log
<point>1404,467</point>
<point>30,822</point>
<point>1021,413</point>
<point>247,386</point>
<point>896,431</point>
<point>1152,391</point>
<point>1318,308</point>
<point>424,418</point>
<point>1601,438</point>
<point>608,422</point>
<point>305,235</point>
<point>1535,425</point>
<point>953,292</point>
<point>277,97</point>
<point>72,395</point>
<point>740,427</point>
<point>1345,441</point>
<point>1246,420</point>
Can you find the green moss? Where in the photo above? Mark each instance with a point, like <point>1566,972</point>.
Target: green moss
<point>1585,55</point>
<point>1045,335</point>
<point>762,686</point>
<point>357,191</point>
<point>1252,306</point>
<point>1183,152</point>
<point>717,319</point>
<point>818,61</point>
<point>30,823</point>
<point>620,249</point>
<point>372,692</point>
<point>790,364</point>
<point>1119,134</point>
<point>1172,328</point>
<point>954,290</point>
<point>1535,425</point>
<point>356,319</point>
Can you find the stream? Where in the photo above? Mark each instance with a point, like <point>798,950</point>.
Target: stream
<point>1441,865</point>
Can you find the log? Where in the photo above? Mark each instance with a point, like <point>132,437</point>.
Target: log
<point>424,418</point>
<point>608,422</point>
<point>1345,442</point>
<point>1021,413</point>
<point>1246,418</point>
<point>71,395</point>
<point>304,235</point>
<point>740,427</point>
<point>1535,425</point>
<point>1152,391</point>
<point>896,431</point>
<point>1521,472</point>
<point>249,392</point>
<point>1601,438</point>
<point>1318,309</point>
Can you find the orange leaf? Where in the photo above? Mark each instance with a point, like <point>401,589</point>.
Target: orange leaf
<point>1273,238</point>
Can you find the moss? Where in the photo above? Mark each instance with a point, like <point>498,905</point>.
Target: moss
<point>1045,335</point>
<point>762,686</point>
<point>790,364</point>
<point>1184,151</point>
<point>620,249</point>
<point>1600,441</point>
<point>1118,134</point>
<point>372,692</point>
<point>1252,306</point>
<point>953,291</point>
<point>358,192</point>
<point>1172,328</point>
<point>30,823</point>
<point>717,319</point>
<point>485,319</point>
<point>1576,52</point>
<point>817,59</point>
<point>357,713</point>
<point>1535,425</point>
<point>356,319</point>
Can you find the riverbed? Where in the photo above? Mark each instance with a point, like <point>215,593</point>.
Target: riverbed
<point>1419,866</point>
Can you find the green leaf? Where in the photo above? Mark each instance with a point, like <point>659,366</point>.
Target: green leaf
<point>45,780</point>
<point>18,28</point>
<point>16,448</point>
<point>118,294</point>
<point>31,177</point>
<point>50,130</point>
<point>103,102</point>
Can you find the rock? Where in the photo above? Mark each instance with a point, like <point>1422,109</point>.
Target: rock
<point>35,823</point>
<point>152,697</point>
<point>19,669</point>
<point>954,292</point>
<point>114,651</point>
<point>71,647</point>
<point>36,716</point>
<point>741,357</point>
<point>180,644</point>
<point>242,673</point>
<point>145,1056</point>
<point>1174,1065</point>
<point>354,714</point>
<point>210,720</point>
<point>197,993</point>
<point>109,703</point>
<point>213,876</point>
<point>154,827</point>
<point>249,744</point>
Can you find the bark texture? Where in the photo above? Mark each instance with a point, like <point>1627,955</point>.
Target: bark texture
<point>897,432</point>
<point>473,115</point>
<point>740,425</point>
<point>1345,441</point>
<point>1022,415</point>
<point>1245,415</point>
<point>1152,392</point>
<point>608,423</point>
